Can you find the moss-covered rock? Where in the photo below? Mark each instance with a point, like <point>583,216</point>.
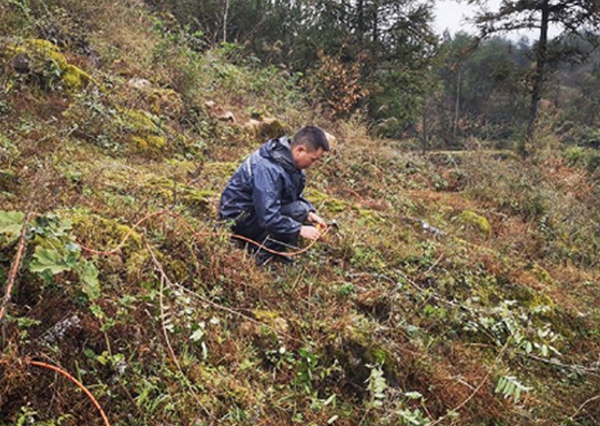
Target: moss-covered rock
<point>146,134</point>
<point>123,130</point>
<point>44,61</point>
<point>267,128</point>
<point>166,102</point>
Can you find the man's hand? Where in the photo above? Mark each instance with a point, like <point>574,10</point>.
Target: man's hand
<point>316,219</point>
<point>310,232</point>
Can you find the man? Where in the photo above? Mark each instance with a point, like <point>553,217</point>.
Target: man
<point>263,199</point>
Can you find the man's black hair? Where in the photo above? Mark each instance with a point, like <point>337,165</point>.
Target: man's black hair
<point>312,137</point>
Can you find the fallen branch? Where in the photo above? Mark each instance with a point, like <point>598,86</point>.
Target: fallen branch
<point>572,418</point>
<point>581,369</point>
<point>14,269</point>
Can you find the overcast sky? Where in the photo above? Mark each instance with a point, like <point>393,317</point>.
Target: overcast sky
<point>450,15</point>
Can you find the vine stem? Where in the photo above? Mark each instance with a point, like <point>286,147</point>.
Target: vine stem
<point>163,279</point>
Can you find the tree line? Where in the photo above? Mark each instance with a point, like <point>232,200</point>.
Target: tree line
<point>382,59</point>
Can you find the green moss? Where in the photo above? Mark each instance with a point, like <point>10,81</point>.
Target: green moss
<point>146,136</point>
<point>149,143</point>
<point>271,128</point>
<point>138,121</point>
<point>221,169</point>
<point>273,319</point>
<point>75,78</point>
<point>324,201</point>
<point>542,275</point>
<point>141,143</point>
<point>368,217</point>
<point>174,192</point>
<point>475,221</point>
<point>156,142</point>
<point>6,146</point>
<point>101,233</point>
<point>136,263</point>
<point>379,355</point>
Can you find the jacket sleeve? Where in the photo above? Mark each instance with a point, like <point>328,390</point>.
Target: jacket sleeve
<point>266,193</point>
<point>309,206</point>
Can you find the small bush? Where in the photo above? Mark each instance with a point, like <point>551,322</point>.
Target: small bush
<point>574,154</point>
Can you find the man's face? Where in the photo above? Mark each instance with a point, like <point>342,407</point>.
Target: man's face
<point>303,158</point>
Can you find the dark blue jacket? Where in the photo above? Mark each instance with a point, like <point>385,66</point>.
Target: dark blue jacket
<point>269,186</point>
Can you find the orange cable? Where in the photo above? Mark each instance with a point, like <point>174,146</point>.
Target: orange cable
<point>72,379</point>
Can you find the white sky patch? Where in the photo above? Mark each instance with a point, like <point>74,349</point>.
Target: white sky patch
<point>452,16</point>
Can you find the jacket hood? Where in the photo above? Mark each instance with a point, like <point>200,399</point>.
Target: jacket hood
<point>279,151</point>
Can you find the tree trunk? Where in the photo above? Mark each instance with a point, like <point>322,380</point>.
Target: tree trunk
<point>360,18</point>
<point>225,18</point>
<point>374,23</point>
<point>536,94</point>
<point>425,125</point>
<point>457,104</point>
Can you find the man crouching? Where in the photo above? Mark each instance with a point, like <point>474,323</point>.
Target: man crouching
<point>263,199</point>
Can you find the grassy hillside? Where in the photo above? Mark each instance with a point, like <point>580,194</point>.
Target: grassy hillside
<point>459,289</point>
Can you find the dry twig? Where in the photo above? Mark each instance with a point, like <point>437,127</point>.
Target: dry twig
<point>14,269</point>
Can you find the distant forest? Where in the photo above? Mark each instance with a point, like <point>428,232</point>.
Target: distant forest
<point>380,59</point>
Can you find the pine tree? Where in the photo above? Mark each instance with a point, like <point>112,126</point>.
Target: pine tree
<point>576,17</point>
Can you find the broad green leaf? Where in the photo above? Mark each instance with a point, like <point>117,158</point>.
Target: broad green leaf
<point>413,395</point>
<point>47,260</point>
<point>11,222</point>
<point>197,335</point>
<point>52,225</point>
<point>88,274</point>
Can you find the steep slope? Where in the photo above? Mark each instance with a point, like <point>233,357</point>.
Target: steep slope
<point>459,288</point>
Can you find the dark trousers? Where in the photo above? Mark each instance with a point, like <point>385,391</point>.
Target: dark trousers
<point>247,226</point>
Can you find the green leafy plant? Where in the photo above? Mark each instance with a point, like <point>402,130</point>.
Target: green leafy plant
<point>376,386</point>
<point>413,417</point>
<point>509,320</point>
<point>55,250</point>
<point>510,387</point>
<point>30,417</point>
<point>22,5</point>
<point>10,226</point>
